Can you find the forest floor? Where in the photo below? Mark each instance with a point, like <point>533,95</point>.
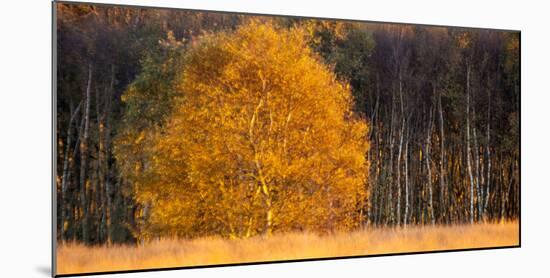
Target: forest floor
<point>77,258</point>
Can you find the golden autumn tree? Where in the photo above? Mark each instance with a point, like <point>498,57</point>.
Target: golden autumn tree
<point>262,139</point>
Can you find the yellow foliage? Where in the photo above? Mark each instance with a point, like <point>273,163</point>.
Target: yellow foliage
<point>464,40</point>
<point>263,139</point>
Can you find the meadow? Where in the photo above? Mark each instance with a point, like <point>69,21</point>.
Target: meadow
<point>164,253</point>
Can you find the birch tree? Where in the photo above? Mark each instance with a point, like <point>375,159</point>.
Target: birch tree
<point>262,139</point>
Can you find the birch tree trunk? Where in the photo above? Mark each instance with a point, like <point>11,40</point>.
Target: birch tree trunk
<point>407,203</point>
<point>100,185</point>
<point>83,159</point>
<point>477,173</point>
<point>468,158</point>
<point>390,191</point>
<point>488,154</point>
<point>373,136</point>
<point>429,169</point>
<point>398,211</point>
<point>442,173</point>
<point>66,174</point>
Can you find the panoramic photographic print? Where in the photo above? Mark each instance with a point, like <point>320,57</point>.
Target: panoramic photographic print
<point>189,138</point>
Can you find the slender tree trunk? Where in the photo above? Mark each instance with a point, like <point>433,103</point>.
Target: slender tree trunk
<point>429,169</point>
<point>488,154</point>
<point>379,188</point>
<point>398,211</point>
<point>407,203</point>
<point>260,174</point>
<point>468,158</point>
<point>477,173</point>
<point>104,130</point>
<point>390,191</point>
<point>83,159</point>
<point>67,158</point>
<point>505,199</point>
<point>451,208</point>
<point>108,189</point>
<point>443,191</point>
<point>374,205</point>
<point>73,207</point>
<point>100,185</point>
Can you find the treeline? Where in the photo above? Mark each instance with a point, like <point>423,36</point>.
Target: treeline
<point>442,106</point>
<point>444,111</point>
<point>100,51</point>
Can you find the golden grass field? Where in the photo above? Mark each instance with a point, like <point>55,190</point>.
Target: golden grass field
<point>75,258</point>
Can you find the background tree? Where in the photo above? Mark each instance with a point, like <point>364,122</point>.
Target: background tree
<point>100,52</point>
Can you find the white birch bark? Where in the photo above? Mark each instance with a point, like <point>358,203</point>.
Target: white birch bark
<point>84,157</point>
<point>468,158</point>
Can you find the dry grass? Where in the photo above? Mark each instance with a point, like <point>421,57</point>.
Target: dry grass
<point>75,258</point>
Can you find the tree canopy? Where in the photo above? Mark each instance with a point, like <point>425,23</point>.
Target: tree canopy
<point>262,138</point>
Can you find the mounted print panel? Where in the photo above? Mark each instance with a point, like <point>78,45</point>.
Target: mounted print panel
<point>189,138</point>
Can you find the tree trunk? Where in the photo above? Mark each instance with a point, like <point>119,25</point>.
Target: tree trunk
<point>488,154</point>
<point>468,159</point>
<point>83,159</point>
<point>103,124</point>
<point>506,191</point>
<point>443,190</point>
<point>67,157</point>
<point>477,172</point>
<point>100,166</point>
<point>260,175</point>
<point>398,210</point>
<point>407,203</point>
<point>429,169</point>
<point>390,214</point>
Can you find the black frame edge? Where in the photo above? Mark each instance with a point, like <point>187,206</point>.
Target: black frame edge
<point>285,261</point>
<point>54,137</point>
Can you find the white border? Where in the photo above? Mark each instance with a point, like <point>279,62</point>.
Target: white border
<point>25,150</point>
